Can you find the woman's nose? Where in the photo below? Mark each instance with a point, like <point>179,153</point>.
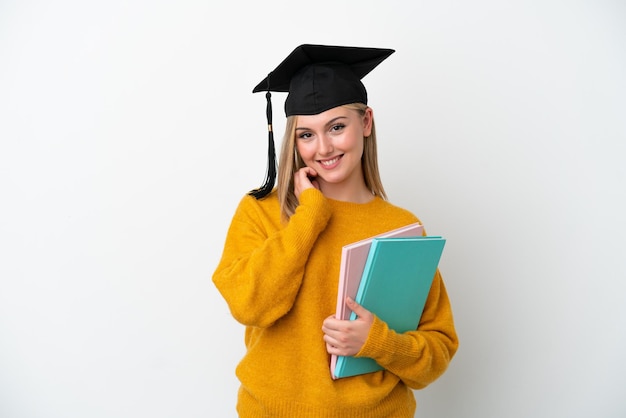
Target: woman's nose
<point>325,145</point>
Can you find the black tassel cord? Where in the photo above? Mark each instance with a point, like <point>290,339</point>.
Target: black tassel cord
<point>270,176</point>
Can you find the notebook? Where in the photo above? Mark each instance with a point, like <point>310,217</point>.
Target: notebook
<point>396,280</point>
<point>353,257</point>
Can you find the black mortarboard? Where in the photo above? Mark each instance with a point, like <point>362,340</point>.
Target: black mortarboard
<point>317,78</point>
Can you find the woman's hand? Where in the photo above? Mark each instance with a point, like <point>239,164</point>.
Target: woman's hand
<point>304,179</point>
<point>344,337</point>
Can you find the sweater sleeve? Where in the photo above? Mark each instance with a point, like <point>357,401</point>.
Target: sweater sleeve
<point>261,268</point>
<point>417,357</point>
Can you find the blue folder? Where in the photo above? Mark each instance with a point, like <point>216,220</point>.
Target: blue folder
<point>395,284</point>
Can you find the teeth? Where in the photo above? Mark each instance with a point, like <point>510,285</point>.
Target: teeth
<point>330,162</point>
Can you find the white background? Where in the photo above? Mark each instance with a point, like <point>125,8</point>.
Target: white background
<point>128,134</point>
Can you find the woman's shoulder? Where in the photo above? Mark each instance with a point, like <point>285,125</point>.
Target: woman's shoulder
<point>248,200</point>
<point>398,211</point>
<point>267,206</point>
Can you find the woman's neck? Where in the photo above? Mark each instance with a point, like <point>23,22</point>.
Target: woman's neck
<point>354,191</point>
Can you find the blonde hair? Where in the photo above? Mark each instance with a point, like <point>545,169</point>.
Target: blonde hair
<point>290,162</point>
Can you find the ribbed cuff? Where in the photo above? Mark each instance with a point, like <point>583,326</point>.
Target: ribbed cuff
<point>378,344</point>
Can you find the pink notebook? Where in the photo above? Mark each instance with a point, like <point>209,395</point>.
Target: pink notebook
<point>353,258</point>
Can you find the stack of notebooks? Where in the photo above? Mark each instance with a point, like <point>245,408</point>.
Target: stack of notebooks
<point>390,275</point>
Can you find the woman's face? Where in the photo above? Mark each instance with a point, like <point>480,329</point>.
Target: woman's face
<point>332,144</point>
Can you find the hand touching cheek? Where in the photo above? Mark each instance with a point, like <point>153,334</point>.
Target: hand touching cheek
<point>304,179</point>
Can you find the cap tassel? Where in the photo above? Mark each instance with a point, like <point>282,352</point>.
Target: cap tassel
<point>270,176</point>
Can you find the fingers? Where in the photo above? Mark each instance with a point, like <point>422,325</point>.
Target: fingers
<point>304,179</point>
<point>359,310</point>
<point>346,342</point>
<point>310,172</point>
<point>345,337</point>
<point>339,345</point>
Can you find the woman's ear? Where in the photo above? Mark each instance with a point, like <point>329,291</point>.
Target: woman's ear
<point>368,119</point>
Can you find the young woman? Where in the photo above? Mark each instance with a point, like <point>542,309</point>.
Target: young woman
<point>280,266</point>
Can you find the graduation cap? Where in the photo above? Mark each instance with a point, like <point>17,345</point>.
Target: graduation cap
<point>317,78</point>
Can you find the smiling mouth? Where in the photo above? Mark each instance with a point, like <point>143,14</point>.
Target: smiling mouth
<point>328,163</point>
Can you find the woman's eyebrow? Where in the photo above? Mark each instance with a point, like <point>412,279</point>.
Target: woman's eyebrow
<point>330,122</point>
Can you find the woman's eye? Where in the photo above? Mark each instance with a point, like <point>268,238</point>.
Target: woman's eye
<point>305,135</point>
<point>337,127</point>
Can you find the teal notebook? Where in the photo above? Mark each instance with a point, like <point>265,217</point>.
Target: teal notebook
<point>395,285</point>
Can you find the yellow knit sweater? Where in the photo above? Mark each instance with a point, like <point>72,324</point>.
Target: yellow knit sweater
<point>280,281</point>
